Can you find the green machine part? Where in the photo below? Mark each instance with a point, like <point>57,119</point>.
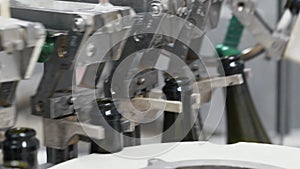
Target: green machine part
<point>47,50</point>
<point>232,39</point>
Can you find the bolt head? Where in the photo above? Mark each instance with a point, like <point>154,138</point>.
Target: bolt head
<point>141,81</point>
<point>79,25</point>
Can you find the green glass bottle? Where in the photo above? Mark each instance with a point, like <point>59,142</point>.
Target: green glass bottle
<point>243,122</point>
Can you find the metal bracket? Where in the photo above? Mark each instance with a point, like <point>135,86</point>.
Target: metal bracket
<point>204,87</point>
<point>59,133</point>
<point>21,44</point>
<point>244,10</point>
<point>207,86</point>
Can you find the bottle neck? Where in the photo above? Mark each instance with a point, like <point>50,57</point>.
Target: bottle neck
<point>233,65</point>
<point>20,133</point>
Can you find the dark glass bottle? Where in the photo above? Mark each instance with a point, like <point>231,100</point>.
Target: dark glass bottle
<point>21,146</point>
<point>174,126</point>
<point>56,156</point>
<point>113,141</point>
<point>133,138</point>
<point>15,165</point>
<point>243,122</point>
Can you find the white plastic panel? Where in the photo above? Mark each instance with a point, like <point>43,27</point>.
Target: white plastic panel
<point>293,49</point>
<point>277,156</point>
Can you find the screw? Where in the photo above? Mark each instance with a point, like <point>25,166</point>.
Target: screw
<point>156,8</point>
<point>79,25</point>
<point>71,100</point>
<point>241,6</point>
<point>141,81</point>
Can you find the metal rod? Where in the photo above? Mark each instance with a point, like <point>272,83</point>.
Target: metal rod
<point>283,107</point>
<point>249,54</point>
<point>283,79</point>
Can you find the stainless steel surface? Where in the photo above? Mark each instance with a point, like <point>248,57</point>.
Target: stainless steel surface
<point>175,7</point>
<point>21,44</point>
<point>283,99</point>
<point>8,117</point>
<point>283,92</point>
<point>73,19</point>
<point>140,27</point>
<point>74,24</point>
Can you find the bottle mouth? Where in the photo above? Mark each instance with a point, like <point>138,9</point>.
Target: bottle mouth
<point>178,81</point>
<point>232,65</point>
<point>16,164</point>
<point>231,58</point>
<point>19,133</point>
